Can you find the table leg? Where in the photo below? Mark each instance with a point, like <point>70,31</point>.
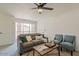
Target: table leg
<point>33,52</point>
<point>71,53</point>
<point>58,51</point>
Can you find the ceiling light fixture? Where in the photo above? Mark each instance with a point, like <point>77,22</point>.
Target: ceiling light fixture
<point>41,6</point>
<point>40,10</point>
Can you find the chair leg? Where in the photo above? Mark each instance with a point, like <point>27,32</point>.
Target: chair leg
<point>71,53</point>
<point>74,49</point>
<point>20,54</point>
<point>61,48</point>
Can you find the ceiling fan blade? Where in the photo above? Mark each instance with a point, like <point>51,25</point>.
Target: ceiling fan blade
<point>47,8</point>
<point>43,4</point>
<point>36,4</point>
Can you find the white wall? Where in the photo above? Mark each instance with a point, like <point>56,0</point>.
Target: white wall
<point>67,23</point>
<point>8,44</point>
<point>7,29</point>
<point>51,23</point>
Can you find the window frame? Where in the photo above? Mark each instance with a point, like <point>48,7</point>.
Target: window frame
<point>31,23</point>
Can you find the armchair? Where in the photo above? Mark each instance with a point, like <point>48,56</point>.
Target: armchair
<point>58,38</point>
<point>68,43</point>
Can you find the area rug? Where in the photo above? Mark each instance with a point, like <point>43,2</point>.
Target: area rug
<point>53,53</point>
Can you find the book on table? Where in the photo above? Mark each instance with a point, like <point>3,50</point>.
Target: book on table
<point>50,45</point>
<point>41,48</point>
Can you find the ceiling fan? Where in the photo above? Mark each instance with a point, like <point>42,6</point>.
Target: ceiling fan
<point>40,7</point>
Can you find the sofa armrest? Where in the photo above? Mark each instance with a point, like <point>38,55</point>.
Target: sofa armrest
<point>46,38</point>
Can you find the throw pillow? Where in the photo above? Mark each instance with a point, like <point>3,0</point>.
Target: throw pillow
<point>23,39</point>
<point>28,38</point>
<point>44,39</point>
<point>38,37</point>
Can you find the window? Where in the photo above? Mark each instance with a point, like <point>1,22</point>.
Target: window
<point>25,28</point>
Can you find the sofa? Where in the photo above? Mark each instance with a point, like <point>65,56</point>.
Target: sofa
<point>28,46</point>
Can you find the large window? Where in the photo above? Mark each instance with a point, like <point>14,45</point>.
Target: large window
<point>25,27</point>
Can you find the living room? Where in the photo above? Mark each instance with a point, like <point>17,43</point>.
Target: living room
<point>63,19</point>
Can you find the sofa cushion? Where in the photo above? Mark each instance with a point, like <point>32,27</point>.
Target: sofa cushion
<point>56,41</point>
<point>38,37</point>
<point>69,38</point>
<point>23,39</point>
<point>28,38</point>
<point>44,40</point>
<point>37,42</point>
<point>27,44</point>
<point>67,45</point>
<point>32,43</point>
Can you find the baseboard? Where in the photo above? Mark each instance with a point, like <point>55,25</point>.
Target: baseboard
<point>77,50</point>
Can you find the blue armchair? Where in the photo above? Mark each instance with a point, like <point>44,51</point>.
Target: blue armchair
<point>58,38</point>
<point>68,43</point>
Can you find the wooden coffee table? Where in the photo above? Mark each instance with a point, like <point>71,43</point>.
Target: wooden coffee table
<point>43,50</point>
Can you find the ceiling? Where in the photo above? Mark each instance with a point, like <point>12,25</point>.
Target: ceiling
<point>24,9</point>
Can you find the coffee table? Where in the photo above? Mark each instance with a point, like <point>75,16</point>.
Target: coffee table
<point>43,49</point>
